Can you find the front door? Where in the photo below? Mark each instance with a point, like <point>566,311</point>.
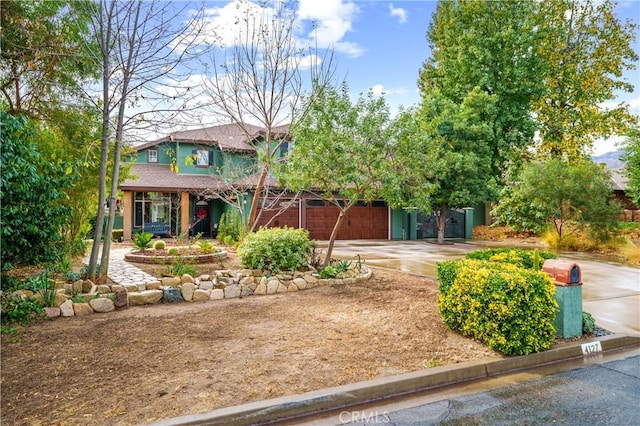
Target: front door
<point>201,219</point>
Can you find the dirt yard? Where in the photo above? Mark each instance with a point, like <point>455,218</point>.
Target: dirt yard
<point>142,364</point>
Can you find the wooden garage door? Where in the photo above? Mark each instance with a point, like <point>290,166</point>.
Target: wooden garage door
<point>364,221</point>
<point>290,217</point>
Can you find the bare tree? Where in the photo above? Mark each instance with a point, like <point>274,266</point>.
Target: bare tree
<point>141,45</point>
<point>260,80</point>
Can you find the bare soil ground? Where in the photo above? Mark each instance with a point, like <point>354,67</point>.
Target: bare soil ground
<point>142,364</point>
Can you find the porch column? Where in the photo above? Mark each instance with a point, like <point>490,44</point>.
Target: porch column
<point>184,213</point>
<point>127,215</point>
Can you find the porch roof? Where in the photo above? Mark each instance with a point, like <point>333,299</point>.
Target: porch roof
<point>160,178</point>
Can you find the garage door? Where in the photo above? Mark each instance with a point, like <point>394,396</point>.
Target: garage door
<point>364,221</point>
<point>289,217</point>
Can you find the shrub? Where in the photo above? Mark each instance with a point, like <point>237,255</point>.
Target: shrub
<point>588,323</point>
<point>159,245</point>
<point>230,228</point>
<point>275,249</point>
<point>173,251</point>
<point>207,247</point>
<point>529,259</point>
<point>510,309</point>
<point>117,235</point>
<point>16,309</point>
<point>142,240</point>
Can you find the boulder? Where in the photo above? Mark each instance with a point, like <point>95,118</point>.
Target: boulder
<point>171,295</point>
<point>261,289</point>
<point>87,285</point>
<point>205,285</point>
<point>67,308</point>
<point>80,309</point>
<point>231,291</point>
<point>187,289</point>
<point>102,304</point>
<point>201,295</point>
<point>216,294</point>
<point>153,285</point>
<point>272,286</point>
<point>52,312</point>
<point>186,278</point>
<point>300,283</point>
<point>146,297</point>
<point>103,289</point>
<point>171,281</point>
<point>122,300</point>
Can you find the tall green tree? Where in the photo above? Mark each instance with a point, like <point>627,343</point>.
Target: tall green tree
<point>586,50</point>
<point>631,158</point>
<point>441,156</point>
<point>339,149</point>
<point>34,208</point>
<point>490,45</point>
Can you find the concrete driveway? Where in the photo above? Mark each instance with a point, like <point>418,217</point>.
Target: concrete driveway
<point>610,291</point>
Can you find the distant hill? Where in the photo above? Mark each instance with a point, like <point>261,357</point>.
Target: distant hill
<point>611,160</point>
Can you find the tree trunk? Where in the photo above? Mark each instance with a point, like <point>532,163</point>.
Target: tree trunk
<point>441,221</point>
<point>253,212</point>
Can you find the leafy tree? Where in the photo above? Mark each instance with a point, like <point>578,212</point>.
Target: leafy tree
<point>441,156</point>
<point>562,193</point>
<point>34,209</point>
<point>631,158</point>
<point>586,51</point>
<point>490,45</point>
<point>43,61</point>
<point>338,150</point>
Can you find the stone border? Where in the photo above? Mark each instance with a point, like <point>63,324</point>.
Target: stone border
<point>222,284</point>
<point>167,259</point>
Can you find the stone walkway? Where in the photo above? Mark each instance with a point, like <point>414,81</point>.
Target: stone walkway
<point>122,272</point>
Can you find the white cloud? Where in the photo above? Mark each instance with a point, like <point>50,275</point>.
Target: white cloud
<point>380,90</point>
<point>398,12</point>
<point>332,20</point>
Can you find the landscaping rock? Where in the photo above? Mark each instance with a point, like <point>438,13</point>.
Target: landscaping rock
<point>246,280</point>
<point>205,285</point>
<point>103,289</point>
<point>261,289</point>
<point>216,294</point>
<point>67,308</point>
<point>272,286</point>
<point>87,285</point>
<point>231,291</point>
<point>154,285</point>
<point>171,281</point>
<point>300,283</point>
<point>115,288</point>
<point>60,299</point>
<point>122,300</point>
<point>131,288</point>
<point>281,288</point>
<point>205,277</point>
<point>68,288</point>
<point>245,290</point>
<point>187,289</point>
<point>201,295</point>
<point>146,297</point>
<point>186,278</point>
<point>80,309</point>
<point>102,304</point>
<point>292,287</point>
<point>171,295</point>
<point>77,287</point>
<point>52,312</point>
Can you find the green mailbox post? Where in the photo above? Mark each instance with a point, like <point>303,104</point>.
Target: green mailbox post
<point>568,281</point>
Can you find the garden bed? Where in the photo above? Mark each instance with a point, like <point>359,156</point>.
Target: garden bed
<point>162,257</point>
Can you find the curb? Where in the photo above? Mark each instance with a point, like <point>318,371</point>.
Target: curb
<point>288,407</point>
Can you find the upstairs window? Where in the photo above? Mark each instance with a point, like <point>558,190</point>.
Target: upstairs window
<point>152,155</point>
<point>203,157</point>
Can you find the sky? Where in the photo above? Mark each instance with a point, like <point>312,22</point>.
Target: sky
<point>381,45</point>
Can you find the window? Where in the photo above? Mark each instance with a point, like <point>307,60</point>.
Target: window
<point>203,157</point>
<point>284,149</point>
<point>152,155</point>
<point>151,207</point>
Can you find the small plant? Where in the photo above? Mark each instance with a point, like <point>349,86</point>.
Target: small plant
<point>142,240</point>
<point>47,289</point>
<point>85,270</point>
<point>71,276</point>
<point>19,310</point>
<point>207,247</point>
<point>359,264</point>
<point>230,228</point>
<point>173,251</point>
<point>178,267</point>
<point>329,271</point>
<point>433,362</point>
<point>342,266</point>
<point>588,323</point>
<point>159,245</point>
<point>78,299</point>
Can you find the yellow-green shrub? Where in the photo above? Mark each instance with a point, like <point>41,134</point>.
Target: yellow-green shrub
<point>510,309</point>
<point>530,259</point>
<point>276,249</point>
<point>159,245</point>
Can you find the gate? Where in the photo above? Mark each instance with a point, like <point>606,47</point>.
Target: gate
<point>454,228</point>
